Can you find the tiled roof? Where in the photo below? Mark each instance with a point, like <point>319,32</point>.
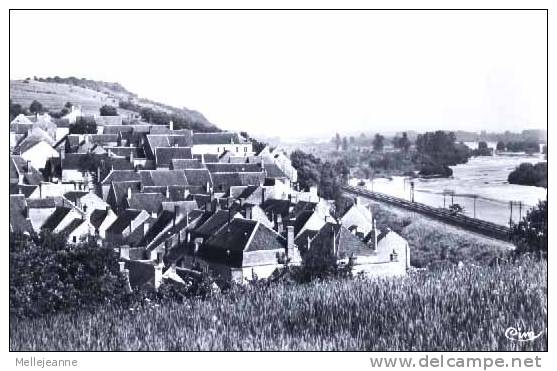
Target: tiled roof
<point>121,176</point>
<point>164,156</point>
<point>223,181</point>
<point>150,202</point>
<point>183,164</point>
<point>163,220</point>
<point>175,193</point>
<point>217,138</point>
<point>126,151</point>
<point>121,190</point>
<point>214,223</point>
<point>72,226</point>
<point>207,157</point>
<point>273,171</point>
<point>75,161</point>
<point>41,203</point>
<point>55,218</point>
<point>198,177</point>
<point>276,207</point>
<point>123,221</point>
<point>73,196</point>
<point>345,242</point>
<point>232,168</point>
<point>97,217</point>
<point>163,177</point>
<point>18,222</point>
<point>103,139</point>
<point>115,129</point>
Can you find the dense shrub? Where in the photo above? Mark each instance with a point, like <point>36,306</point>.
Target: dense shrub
<point>531,175</point>
<point>84,125</point>
<point>107,110</point>
<point>47,275</point>
<point>530,234</point>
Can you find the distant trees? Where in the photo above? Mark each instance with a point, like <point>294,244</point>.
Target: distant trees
<point>107,110</point>
<point>378,142</point>
<point>344,144</point>
<point>437,151</point>
<point>523,146</point>
<point>402,143</point>
<point>530,234</point>
<point>36,107</point>
<point>501,146</point>
<point>84,125</point>
<point>256,144</point>
<point>531,175</point>
<point>328,176</point>
<point>338,141</point>
<point>482,150</point>
<point>16,109</point>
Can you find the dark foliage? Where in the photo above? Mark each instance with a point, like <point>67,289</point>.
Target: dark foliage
<point>84,125</point>
<point>523,146</point>
<point>36,107</point>
<point>482,150</point>
<point>47,275</point>
<point>530,234</point>
<point>378,143</point>
<point>437,151</point>
<point>107,110</point>
<point>531,175</point>
<point>16,109</point>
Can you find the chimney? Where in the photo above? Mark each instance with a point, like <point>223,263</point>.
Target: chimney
<point>176,212</point>
<point>167,195</point>
<point>160,257</point>
<point>28,166</point>
<point>374,235</point>
<point>334,241</point>
<point>248,212</point>
<point>171,125</point>
<point>355,200</point>
<point>41,189</point>
<point>26,212</point>
<point>158,275</point>
<point>262,195</point>
<point>131,156</point>
<point>146,227</point>
<point>125,252</point>
<point>290,246</point>
<point>279,224</point>
<point>98,174</point>
<point>129,193</point>
<point>208,187</point>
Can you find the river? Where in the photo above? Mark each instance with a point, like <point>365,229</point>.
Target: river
<point>481,178</point>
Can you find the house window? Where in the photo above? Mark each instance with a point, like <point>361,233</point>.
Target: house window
<point>74,239</point>
<point>236,149</point>
<point>245,149</point>
<point>218,149</point>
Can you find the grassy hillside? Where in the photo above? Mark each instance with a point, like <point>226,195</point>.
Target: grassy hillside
<point>53,93</point>
<point>465,308</point>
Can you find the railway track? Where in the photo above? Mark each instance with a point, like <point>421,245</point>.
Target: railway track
<point>475,225</point>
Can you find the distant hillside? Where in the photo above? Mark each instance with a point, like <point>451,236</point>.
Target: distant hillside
<point>91,95</point>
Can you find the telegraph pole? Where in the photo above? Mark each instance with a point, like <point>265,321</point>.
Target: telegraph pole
<point>475,196</point>
<point>511,218</point>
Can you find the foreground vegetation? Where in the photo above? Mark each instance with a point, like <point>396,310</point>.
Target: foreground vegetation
<point>465,308</point>
<point>434,243</point>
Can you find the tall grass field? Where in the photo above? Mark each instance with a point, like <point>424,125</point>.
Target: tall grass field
<point>463,308</point>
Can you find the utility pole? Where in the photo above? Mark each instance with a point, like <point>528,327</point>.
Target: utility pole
<point>475,196</point>
<point>511,218</point>
<point>412,191</point>
<point>519,210</point>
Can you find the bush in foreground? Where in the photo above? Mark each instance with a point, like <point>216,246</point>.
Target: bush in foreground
<point>465,308</point>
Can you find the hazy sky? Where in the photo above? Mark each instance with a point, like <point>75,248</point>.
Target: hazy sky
<point>307,72</point>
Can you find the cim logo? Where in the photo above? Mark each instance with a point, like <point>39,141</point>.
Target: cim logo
<point>518,334</point>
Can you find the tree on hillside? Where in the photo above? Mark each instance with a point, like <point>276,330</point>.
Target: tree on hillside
<point>35,107</point>
<point>107,110</point>
<point>68,105</point>
<point>530,234</point>
<point>344,144</point>
<point>338,141</point>
<point>15,110</point>
<point>378,143</point>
